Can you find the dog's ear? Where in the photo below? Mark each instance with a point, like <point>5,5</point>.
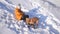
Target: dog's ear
<point>37,22</point>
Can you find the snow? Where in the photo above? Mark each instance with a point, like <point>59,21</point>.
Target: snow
<point>47,12</point>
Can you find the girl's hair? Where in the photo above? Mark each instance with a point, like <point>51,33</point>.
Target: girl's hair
<point>24,17</point>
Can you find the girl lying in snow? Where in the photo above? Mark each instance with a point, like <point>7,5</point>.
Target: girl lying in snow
<point>19,15</point>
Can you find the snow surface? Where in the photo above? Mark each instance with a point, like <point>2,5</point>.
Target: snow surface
<point>47,12</point>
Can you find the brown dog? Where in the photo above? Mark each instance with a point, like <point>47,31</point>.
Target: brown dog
<point>32,21</point>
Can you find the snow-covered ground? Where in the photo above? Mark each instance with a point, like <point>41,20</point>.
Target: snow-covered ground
<point>47,11</point>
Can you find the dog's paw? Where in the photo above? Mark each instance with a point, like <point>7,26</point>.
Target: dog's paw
<point>29,27</point>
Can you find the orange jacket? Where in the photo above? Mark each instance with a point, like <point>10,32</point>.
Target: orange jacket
<point>18,13</point>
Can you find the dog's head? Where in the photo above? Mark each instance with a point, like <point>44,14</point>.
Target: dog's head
<point>27,20</point>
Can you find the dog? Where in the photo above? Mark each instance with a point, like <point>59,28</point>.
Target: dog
<point>32,21</point>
